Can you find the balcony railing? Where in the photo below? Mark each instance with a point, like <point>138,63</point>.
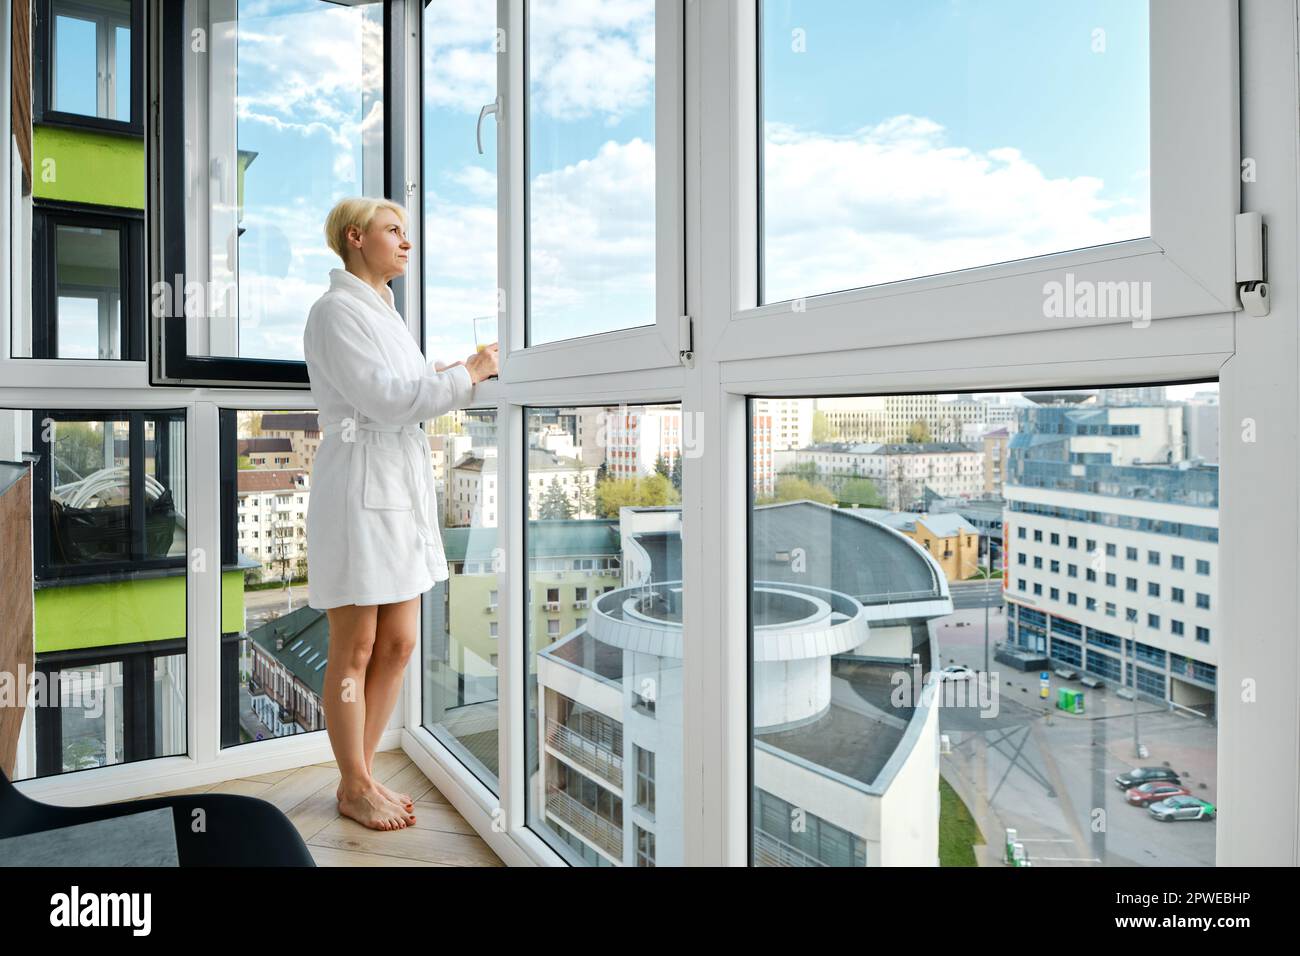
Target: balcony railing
<point>586,822</point>
<point>585,752</point>
<point>770,851</point>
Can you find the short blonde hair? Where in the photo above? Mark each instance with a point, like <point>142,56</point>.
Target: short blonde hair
<point>356,211</point>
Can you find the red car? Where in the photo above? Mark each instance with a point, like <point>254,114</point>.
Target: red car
<point>1149,793</point>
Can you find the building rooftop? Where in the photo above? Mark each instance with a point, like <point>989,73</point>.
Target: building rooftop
<point>246,445</point>
<point>539,460</point>
<point>252,480</point>
<point>303,636</point>
<point>862,729</point>
<point>586,653</point>
<point>844,549</point>
<point>291,422</point>
<point>572,537</point>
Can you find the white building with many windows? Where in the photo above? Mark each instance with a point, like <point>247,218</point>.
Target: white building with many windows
<point>1112,560</point>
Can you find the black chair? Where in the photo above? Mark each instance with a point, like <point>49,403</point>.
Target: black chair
<point>238,830</point>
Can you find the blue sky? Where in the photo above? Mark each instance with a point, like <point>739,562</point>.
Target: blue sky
<point>911,138</point>
<point>1018,73</point>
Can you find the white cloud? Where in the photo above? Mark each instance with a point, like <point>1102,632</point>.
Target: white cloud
<point>591,57</point>
<point>585,56</point>
<point>592,236</point>
<point>894,201</point>
<point>314,73</point>
<point>479,181</point>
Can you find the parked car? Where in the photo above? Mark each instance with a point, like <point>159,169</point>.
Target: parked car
<point>956,672</point>
<point>1182,808</point>
<point>1141,775</point>
<point>1149,793</point>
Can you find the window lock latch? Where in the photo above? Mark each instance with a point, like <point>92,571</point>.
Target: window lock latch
<point>1252,263</point>
<point>686,353</point>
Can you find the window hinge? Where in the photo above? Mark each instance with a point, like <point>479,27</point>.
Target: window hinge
<point>685,337</point>
<point>1252,263</point>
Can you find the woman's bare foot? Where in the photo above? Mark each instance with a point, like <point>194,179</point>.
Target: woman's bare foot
<point>401,799</point>
<point>369,807</point>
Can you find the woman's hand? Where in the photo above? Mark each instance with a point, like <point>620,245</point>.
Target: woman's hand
<point>483,364</point>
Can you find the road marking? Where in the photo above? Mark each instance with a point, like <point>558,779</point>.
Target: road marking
<point>1065,859</point>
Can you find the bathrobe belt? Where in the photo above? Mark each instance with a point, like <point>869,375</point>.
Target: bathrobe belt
<point>414,436</point>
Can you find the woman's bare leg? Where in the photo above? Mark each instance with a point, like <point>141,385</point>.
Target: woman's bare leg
<point>396,637</point>
<point>351,643</point>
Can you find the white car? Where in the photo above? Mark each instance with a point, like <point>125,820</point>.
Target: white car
<point>956,672</point>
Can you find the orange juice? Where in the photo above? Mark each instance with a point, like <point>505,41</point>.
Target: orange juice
<point>480,348</point>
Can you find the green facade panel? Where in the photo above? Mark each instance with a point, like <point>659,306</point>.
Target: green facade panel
<point>125,612</point>
<point>86,166</point>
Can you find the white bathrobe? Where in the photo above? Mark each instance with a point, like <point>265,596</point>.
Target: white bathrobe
<point>372,515</point>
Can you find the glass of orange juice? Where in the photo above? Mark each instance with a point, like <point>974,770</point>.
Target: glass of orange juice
<point>485,331</point>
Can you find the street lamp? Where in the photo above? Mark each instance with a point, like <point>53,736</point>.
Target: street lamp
<point>987,572</point>
<point>1137,746</point>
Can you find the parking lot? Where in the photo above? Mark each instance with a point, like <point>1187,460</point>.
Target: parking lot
<point>1051,775</point>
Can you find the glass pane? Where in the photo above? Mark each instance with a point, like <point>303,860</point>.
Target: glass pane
<point>274,647</point>
<point>122,75</point>
<point>461,618</point>
<point>911,594</point>
<point>76,85</point>
<point>78,327</point>
<point>90,493</point>
<point>88,282</point>
<point>164,465</point>
<point>603,632</point>
<point>90,713</point>
<point>169,704</point>
<point>460,194</point>
<point>591,168</point>
<point>92,58</point>
<point>288,128</point>
<point>109,587</point>
<point>909,139</point>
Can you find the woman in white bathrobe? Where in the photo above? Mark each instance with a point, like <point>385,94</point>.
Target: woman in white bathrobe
<point>373,544</point>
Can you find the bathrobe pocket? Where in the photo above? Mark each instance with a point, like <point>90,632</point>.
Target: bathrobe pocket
<point>385,483</point>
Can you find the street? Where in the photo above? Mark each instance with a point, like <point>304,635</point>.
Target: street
<point>1050,775</point>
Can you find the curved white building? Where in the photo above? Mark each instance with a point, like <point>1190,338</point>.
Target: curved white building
<point>840,609</point>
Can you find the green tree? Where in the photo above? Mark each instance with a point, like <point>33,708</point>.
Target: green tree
<point>790,488</point>
<point>661,465</point>
<point>918,431</point>
<point>657,490</point>
<point>653,490</point>
<point>807,470</point>
<point>586,496</point>
<point>555,504</point>
<point>861,492</point>
<point>821,428</point>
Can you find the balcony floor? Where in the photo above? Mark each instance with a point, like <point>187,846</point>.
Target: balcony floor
<point>439,837</point>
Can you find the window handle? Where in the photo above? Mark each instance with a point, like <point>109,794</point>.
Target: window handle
<point>493,107</point>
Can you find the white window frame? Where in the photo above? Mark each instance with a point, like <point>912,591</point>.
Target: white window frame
<point>1255,360</point>
<point>1188,259</point>
<point>642,347</point>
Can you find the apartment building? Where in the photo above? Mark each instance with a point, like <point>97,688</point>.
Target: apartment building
<point>1112,562</point>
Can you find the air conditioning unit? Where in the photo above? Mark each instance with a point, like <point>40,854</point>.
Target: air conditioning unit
<point>552,605</point>
<point>489,608</point>
<point>579,604</point>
